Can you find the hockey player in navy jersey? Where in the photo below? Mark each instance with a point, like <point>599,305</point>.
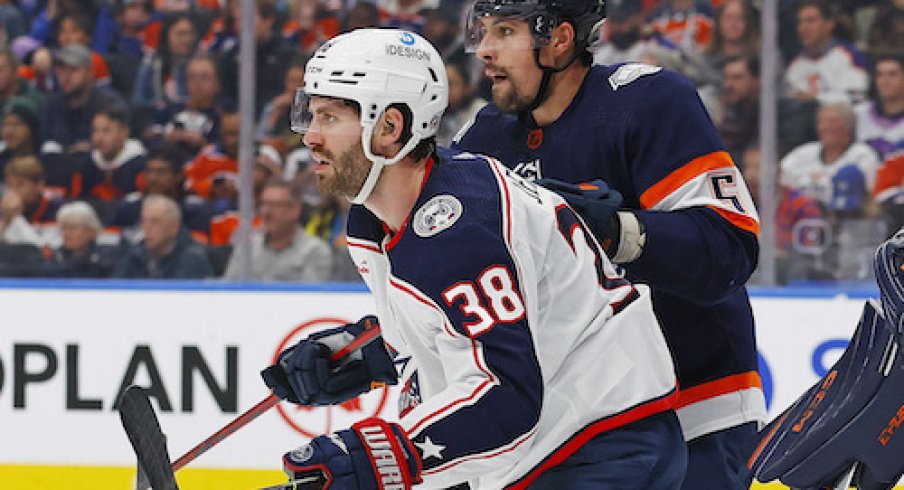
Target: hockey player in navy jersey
<point>528,362</point>
<point>686,225</point>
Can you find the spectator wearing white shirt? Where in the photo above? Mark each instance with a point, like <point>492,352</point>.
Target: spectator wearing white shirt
<point>826,69</point>
<point>836,170</point>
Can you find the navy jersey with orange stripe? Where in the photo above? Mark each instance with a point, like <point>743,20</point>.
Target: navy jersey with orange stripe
<point>645,132</point>
<point>524,339</point>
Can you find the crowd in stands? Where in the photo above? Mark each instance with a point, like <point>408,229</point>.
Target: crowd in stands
<point>120,127</point>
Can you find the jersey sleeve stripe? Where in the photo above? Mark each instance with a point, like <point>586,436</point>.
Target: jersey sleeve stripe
<point>373,247</point>
<point>721,386</point>
<point>498,452</point>
<point>742,221</point>
<point>615,421</point>
<point>484,386</point>
<point>481,389</point>
<point>497,169</point>
<point>683,175</point>
<point>398,285</point>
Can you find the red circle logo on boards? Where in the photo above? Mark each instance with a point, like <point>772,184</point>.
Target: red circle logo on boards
<point>314,421</point>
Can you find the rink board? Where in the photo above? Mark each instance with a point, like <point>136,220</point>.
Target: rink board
<point>68,349</point>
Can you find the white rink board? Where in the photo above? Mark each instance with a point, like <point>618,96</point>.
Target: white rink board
<point>91,336</point>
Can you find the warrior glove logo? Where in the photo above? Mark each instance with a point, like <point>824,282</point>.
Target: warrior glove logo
<point>436,215</point>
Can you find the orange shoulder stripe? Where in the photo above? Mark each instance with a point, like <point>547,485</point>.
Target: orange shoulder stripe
<point>721,386</point>
<point>683,175</point>
<point>742,221</point>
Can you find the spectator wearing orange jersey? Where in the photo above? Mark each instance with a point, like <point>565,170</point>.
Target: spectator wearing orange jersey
<point>686,23</point>
<point>889,192</point>
<point>268,165</point>
<point>212,174</point>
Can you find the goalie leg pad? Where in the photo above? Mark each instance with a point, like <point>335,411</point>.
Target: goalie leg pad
<point>842,418</point>
<point>889,266</point>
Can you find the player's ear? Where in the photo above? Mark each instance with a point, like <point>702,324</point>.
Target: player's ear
<point>390,126</point>
<point>561,43</point>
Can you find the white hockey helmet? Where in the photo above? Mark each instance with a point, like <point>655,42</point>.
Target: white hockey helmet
<point>377,68</point>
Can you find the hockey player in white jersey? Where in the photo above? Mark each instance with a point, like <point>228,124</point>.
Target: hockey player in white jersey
<point>528,361</point>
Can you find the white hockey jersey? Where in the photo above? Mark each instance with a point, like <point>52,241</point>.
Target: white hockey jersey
<point>844,185</point>
<point>839,73</point>
<point>523,340</point>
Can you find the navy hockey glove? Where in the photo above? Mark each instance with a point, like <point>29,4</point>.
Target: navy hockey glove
<point>308,374</point>
<point>373,454</point>
<point>597,204</point>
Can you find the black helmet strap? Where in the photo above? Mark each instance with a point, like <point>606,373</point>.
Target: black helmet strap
<point>548,72</point>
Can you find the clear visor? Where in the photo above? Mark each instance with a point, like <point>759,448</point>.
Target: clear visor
<point>492,24</point>
<point>322,113</point>
<point>300,116</point>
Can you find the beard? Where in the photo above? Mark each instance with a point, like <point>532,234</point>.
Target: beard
<point>509,99</point>
<point>349,171</point>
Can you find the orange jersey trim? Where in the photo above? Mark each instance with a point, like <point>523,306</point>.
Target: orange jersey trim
<point>683,175</point>
<point>721,386</point>
<point>742,221</point>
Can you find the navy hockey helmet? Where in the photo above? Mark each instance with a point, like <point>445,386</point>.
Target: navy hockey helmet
<point>542,15</point>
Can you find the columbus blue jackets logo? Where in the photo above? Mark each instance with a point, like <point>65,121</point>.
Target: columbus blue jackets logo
<point>630,72</point>
<point>436,215</point>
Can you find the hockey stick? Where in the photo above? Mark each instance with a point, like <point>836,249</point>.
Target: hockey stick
<point>149,443</point>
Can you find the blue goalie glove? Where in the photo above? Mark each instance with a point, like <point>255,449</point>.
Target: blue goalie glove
<point>321,370</point>
<point>597,204</point>
<point>373,454</point>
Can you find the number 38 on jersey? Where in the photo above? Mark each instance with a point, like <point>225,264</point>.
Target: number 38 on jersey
<point>489,300</point>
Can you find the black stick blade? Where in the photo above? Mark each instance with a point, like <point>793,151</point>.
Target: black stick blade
<point>143,428</point>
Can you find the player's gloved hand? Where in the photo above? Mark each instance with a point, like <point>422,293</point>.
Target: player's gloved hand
<point>597,204</point>
<point>373,454</point>
<point>307,374</point>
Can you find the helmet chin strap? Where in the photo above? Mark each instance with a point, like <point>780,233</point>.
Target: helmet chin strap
<point>543,91</point>
<point>369,183</point>
<point>378,162</point>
